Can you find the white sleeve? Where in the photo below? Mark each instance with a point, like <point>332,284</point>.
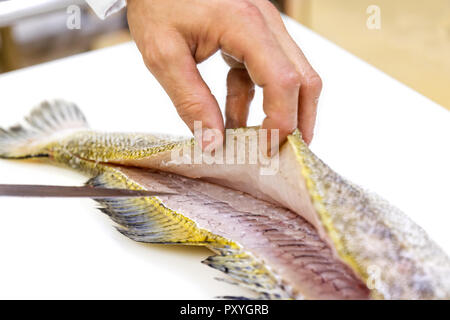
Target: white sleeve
<point>104,8</point>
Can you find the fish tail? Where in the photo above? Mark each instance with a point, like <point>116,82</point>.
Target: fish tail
<point>46,123</point>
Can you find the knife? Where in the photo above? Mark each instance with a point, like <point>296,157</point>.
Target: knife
<point>46,191</point>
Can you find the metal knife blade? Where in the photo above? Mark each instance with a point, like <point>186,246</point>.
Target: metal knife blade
<point>47,191</point>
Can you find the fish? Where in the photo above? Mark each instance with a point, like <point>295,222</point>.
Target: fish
<point>297,230</point>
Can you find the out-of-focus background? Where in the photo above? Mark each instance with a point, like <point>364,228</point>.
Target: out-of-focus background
<point>407,39</point>
<point>412,43</point>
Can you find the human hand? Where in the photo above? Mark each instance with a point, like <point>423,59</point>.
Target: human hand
<point>175,35</point>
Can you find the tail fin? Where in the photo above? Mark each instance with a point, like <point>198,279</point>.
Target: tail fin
<point>44,124</point>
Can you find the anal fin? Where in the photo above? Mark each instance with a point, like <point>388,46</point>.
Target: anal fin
<point>147,219</point>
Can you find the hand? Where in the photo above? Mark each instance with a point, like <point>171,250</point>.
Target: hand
<point>175,35</point>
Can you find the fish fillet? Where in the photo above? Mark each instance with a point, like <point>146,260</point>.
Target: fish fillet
<point>301,232</point>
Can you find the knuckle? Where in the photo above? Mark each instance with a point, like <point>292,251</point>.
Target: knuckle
<point>147,47</point>
<point>151,55</point>
<point>313,82</point>
<point>157,55</point>
<point>246,9</point>
<point>290,80</point>
<point>149,58</point>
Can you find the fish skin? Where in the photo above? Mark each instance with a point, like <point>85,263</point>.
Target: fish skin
<point>377,239</point>
<point>380,244</point>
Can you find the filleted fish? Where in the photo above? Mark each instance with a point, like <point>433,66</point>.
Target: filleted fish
<point>301,231</point>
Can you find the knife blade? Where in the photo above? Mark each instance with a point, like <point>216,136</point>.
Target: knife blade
<point>47,191</point>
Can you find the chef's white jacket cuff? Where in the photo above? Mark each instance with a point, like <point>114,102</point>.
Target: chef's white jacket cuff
<point>105,8</point>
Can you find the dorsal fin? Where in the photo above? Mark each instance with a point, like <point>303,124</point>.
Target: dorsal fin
<point>46,123</point>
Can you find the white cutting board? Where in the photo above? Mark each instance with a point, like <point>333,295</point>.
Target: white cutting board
<point>371,129</point>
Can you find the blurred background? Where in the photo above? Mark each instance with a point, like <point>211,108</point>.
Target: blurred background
<point>409,39</point>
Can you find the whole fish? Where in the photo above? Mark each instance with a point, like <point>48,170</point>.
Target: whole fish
<point>297,230</point>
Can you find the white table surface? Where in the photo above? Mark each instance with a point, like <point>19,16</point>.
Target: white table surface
<point>371,129</point>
